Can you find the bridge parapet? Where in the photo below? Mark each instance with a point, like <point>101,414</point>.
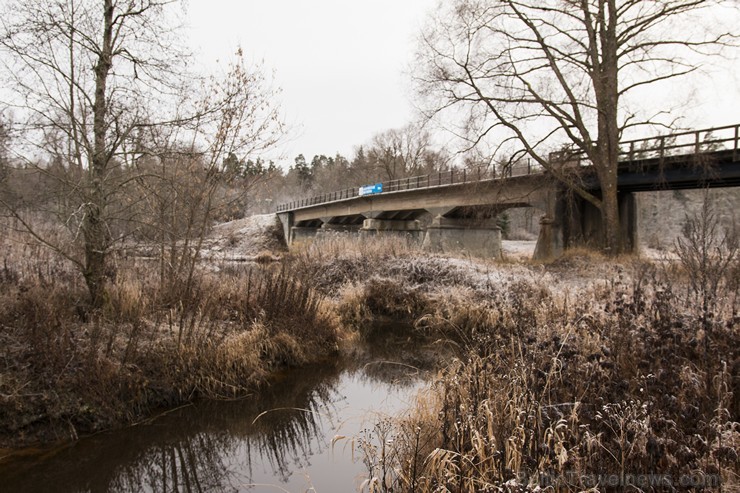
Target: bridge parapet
<point>696,142</point>
<point>441,179</point>
<point>660,149</point>
<point>664,148</point>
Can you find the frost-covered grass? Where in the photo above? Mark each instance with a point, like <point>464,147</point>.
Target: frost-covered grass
<point>68,369</point>
<point>582,369</point>
<point>245,239</point>
<point>620,381</point>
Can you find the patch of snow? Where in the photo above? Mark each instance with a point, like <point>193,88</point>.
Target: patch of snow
<point>518,249</point>
<point>243,239</point>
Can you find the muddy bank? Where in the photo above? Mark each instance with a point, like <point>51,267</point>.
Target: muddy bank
<point>70,371</point>
<point>300,430</point>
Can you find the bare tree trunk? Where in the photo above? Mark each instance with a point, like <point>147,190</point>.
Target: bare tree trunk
<point>606,89</point>
<point>610,218</point>
<point>94,227</point>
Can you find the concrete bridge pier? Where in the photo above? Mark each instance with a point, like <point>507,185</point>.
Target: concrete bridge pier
<point>550,240</point>
<point>628,219</point>
<point>404,228</point>
<point>478,238</point>
<point>582,225</point>
<point>287,222</point>
<point>302,233</point>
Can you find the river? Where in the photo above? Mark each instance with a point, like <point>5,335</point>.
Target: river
<point>301,433</point>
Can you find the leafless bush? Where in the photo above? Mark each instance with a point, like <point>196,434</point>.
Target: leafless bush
<point>710,255</point>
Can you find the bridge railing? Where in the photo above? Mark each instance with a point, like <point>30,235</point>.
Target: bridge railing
<point>442,178</point>
<point>683,143</point>
<point>663,147</point>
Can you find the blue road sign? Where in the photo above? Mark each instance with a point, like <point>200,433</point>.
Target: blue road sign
<point>371,189</point>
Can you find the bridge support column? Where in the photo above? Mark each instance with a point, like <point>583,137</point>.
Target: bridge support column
<point>628,219</point>
<point>550,241</point>
<point>476,238</point>
<point>584,226</point>
<point>286,220</point>
<point>302,233</point>
<point>409,229</point>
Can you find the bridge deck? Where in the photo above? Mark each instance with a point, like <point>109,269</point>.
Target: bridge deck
<point>707,157</point>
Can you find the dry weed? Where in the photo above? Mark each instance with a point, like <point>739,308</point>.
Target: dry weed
<point>68,369</point>
<point>557,392</point>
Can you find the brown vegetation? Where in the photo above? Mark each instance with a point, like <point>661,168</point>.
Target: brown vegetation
<point>578,374</point>
<point>620,382</point>
<point>68,369</point>
<point>567,371</point>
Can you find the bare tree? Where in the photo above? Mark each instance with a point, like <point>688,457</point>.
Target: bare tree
<point>90,79</point>
<point>403,152</point>
<point>187,176</point>
<point>4,143</point>
<point>541,74</point>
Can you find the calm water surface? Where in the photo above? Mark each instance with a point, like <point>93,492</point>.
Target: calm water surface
<point>289,437</point>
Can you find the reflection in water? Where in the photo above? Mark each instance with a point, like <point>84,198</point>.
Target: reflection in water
<point>274,438</point>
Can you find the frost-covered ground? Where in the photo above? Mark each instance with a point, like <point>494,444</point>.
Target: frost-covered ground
<point>245,239</point>
<point>260,238</point>
<point>248,237</point>
<point>342,261</point>
<point>524,250</point>
<point>518,249</point>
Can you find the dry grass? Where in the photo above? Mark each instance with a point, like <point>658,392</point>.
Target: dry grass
<point>629,374</point>
<point>631,370</point>
<point>67,369</point>
<point>557,391</point>
<point>355,246</point>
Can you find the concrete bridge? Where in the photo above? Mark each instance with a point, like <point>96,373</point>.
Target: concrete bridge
<point>456,210</point>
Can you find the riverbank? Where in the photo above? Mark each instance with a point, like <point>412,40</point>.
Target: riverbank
<point>69,370</point>
<point>585,372</point>
<point>158,343</point>
<point>295,433</point>
<point>577,375</point>
<point>580,366</point>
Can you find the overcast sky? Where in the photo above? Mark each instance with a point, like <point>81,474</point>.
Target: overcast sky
<point>342,65</point>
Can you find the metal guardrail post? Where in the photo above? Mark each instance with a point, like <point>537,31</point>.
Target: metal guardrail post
<point>737,137</point>
<point>696,142</point>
